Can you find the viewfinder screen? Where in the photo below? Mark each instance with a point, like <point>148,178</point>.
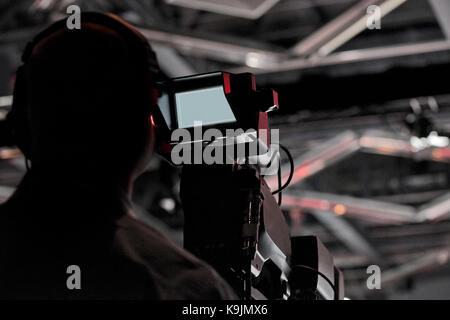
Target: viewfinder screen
<point>210,106</point>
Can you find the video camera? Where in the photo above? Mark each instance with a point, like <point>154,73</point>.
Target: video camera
<point>228,109</point>
<point>232,219</point>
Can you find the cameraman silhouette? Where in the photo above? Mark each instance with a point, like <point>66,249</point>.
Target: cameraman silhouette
<point>81,115</point>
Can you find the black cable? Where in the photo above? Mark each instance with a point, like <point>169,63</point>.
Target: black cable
<point>248,281</point>
<point>320,274</point>
<point>279,182</point>
<point>291,173</point>
<point>27,164</point>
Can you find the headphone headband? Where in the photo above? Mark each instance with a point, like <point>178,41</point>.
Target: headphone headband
<point>107,20</point>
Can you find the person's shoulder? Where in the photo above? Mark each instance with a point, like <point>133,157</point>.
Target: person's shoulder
<point>177,273</point>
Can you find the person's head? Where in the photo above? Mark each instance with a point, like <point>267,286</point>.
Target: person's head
<point>89,95</point>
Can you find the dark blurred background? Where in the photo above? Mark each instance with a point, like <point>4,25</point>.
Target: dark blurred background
<point>365,113</point>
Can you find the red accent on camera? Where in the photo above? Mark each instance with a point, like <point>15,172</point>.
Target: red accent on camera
<point>226,82</point>
<point>275,98</point>
<point>263,124</point>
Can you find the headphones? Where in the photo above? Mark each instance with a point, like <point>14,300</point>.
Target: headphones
<point>17,120</point>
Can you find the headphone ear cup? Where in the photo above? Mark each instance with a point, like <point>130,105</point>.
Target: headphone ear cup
<point>17,118</point>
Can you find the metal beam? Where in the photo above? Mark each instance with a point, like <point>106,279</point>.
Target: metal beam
<point>171,62</point>
<point>238,8</point>
<point>260,60</point>
<point>345,232</point>
<point>5,193</point>
<point>347,143</point>
<point>427,262</point>
<point>343,28</point>
<point>368,209</point>
<point>436,209</point>
<point>351,56</point>
<point>213,49</point>
<point>233,50</point>
<point>319,158</point>
<point>441,10</point>
<point>373,210</point>
<point>6,101</point>
<point>326,33</point>
<point>10,153</point>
